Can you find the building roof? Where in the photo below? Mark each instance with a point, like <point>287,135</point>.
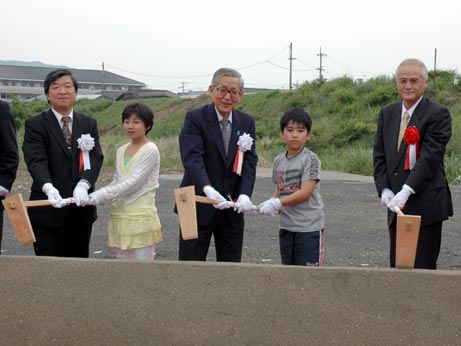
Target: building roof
<point>32,73</point>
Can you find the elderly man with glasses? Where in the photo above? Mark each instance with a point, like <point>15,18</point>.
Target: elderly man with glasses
<point>211,146</point>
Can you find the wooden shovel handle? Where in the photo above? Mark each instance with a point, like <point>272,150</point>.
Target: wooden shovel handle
<point>206,200</point>
<point>43,202</point>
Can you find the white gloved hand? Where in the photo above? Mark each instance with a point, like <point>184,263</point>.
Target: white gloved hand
<point>400,198</point>
<point>3,191</point>
<point>95,198</point>
<point>386,196</point>
<point>224,205</point>
<point>210,192</point>
<point>81,193</point>
<point>270,207</point>
<point>243,204</point>
<point>53,195</point>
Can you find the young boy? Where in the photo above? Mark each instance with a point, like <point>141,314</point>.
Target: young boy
<point>297,197</point>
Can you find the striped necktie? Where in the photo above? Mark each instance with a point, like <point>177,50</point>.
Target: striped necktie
<point>66,131</point>
<point>225,133</point>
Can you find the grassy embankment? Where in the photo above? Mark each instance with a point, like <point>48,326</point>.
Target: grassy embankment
<point>344,114</point>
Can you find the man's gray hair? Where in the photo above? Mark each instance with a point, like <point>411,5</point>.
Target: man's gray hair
<point>226,72</point>
<point>415,62</point>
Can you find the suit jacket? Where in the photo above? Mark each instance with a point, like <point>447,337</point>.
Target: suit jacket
<point>202,153</point>
<point>432,198</point>
<point>9,158</point>
<point>49,161</point>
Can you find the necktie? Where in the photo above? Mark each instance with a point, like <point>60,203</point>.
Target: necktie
<point>225,133</point>
<point>403,126</point>
<point>66,131</point>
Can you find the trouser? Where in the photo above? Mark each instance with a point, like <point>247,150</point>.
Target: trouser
<point>302,248</point>
<point>228,239</point>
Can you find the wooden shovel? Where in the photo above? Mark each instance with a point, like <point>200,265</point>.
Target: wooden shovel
<point>15,208</point>
<point>407,239</point>
<point>185,199</point>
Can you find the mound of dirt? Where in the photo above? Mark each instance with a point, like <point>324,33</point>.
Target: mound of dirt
<point>182,107</point>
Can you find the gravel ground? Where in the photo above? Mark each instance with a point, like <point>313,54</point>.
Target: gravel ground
<point>355,224</point>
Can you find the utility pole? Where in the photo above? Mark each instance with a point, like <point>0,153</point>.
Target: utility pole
<point>435,73</point>
<point>321,55</point>
<point>291,61</point>
<point>103,76</point>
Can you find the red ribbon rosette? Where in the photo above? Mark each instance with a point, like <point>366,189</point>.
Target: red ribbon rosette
<point>411,136</point>
<point>244,144</point>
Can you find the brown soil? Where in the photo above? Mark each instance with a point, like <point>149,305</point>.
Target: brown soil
<point>182,107</point>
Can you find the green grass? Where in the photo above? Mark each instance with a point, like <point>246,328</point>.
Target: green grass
<point>344,114</point>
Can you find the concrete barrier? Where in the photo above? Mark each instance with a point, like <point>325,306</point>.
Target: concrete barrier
<point>55,301</point>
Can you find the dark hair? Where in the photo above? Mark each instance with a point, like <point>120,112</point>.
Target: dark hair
<point>53,75</point>
<point>297,115</point>
<point>142,111</point>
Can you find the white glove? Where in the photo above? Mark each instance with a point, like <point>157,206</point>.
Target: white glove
<point>95,198</point>
<point>400,198</point>
<point>210,192</point>
<point>3,191</point>
<point>53,195</point>
<point>81,193</point>
<point>243,204</point>
<point>270,207</point>
<point>386,196</point>
<point>224,205</point>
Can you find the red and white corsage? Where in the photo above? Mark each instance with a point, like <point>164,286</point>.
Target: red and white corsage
<point>85,144</point>
<point>411,136</point>
<point>244,143</point>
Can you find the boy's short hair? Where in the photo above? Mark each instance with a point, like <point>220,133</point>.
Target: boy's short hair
<point>142,111</point>
<point>297,115</point>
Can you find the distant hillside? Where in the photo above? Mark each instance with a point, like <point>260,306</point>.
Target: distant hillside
<point>28,63</point>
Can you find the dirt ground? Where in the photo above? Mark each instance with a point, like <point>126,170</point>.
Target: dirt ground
<point>355,224</point>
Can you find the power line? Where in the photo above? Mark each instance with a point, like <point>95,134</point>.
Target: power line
<point>157,76</point>
<point>196,76</point>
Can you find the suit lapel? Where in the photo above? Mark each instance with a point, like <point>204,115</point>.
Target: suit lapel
<point>414,121</point>
<point>236,128</point>
<point>418,114</point>
<point>56,131</point>
<point>215,129</point>
<point>76,131</point>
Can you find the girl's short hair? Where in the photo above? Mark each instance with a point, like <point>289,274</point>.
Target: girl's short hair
<point>142,111</point>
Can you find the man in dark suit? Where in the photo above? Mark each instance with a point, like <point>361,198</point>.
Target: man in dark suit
<point>208,145</point>
<point>414,179</point>
<point>9,158</point>
<point>54,160</point>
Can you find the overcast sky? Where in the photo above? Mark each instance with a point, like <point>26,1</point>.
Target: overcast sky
<point>175,44</point>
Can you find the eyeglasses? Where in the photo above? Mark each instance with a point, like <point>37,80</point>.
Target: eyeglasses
<point>222,92</point>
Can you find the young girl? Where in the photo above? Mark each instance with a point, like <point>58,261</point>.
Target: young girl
<point>134,226</point>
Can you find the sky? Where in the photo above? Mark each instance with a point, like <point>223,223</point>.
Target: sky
<point>177,45</point>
